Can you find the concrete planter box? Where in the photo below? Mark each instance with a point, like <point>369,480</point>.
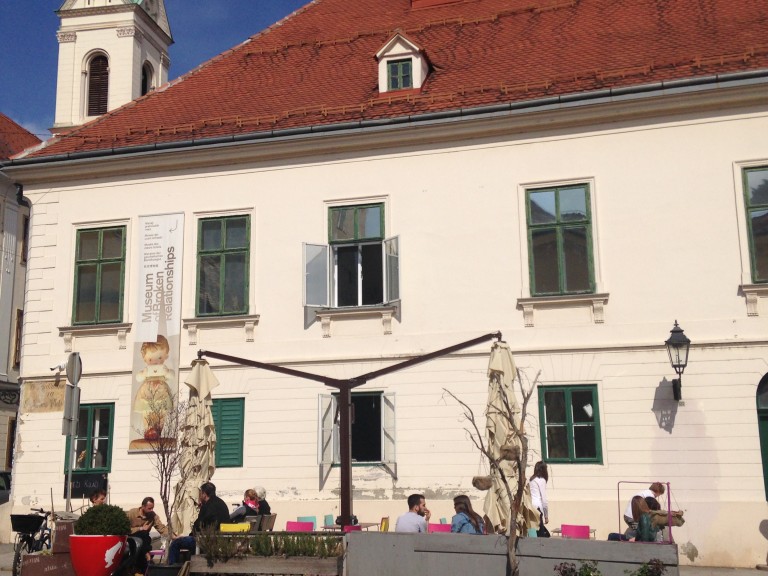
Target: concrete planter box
<point>540,555</point>
<point>257,565</point>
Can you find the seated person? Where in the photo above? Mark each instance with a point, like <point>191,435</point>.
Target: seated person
<point>249,507</point>
<point>641,516</point>
<point>143,519</point>
<point>466,520</point>
<point>213,511</point>
<point>261,496</point>
<point>654,490</point>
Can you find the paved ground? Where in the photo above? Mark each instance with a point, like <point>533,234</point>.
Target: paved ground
<point>6,562</point>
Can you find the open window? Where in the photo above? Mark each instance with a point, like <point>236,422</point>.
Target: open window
<point>373,431</point>
<point>358,267</point>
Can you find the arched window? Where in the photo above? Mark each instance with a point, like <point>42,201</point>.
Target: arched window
<point>98,85</point>
<point>146,78</point>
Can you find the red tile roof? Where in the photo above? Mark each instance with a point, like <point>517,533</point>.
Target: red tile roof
<point>317,66</point>
<point>14,138</point>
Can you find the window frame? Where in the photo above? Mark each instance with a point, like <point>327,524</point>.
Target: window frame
<point>91,408</point>
<point>97,89</point>
<point>238,433</point>
<point>398,66</point>
<point>568,389</point>
<point>222,251</point>
<point>17,332</point>
<point>559,226</point>
<point>748,209</point>
<point>99,261</point>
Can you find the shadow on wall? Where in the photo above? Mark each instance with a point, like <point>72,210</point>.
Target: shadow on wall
<point>664,406</point>
<point>764,532</point>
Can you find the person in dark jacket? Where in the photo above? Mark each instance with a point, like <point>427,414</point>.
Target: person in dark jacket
<point>261,496</point>
<point>213,511</point>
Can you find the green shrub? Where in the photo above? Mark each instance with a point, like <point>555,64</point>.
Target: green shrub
<point>103,520</point>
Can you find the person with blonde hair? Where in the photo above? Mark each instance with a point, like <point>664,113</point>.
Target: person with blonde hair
<point>249,507</point>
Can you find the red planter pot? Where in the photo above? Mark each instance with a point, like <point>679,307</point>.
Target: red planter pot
<point>96,555</point>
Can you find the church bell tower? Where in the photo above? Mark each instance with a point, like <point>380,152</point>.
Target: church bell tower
<point>110,52</point>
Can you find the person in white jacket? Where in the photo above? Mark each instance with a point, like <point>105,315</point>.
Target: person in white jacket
<point>538,485</point>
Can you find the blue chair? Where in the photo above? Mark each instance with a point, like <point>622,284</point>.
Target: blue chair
<point>312,519</point>
<point>443,521</point>
<point>328,520</point>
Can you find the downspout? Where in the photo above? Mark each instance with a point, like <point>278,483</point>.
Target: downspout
<point>20,200</point>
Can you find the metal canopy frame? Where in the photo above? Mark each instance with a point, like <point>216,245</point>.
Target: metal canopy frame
<point>345,387</point>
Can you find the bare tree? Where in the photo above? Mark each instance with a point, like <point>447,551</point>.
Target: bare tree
<point>509,464</point>
<point>164,447</point>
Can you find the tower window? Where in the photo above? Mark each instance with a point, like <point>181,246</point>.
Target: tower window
<point>98,86</point>
<point>146,79</point>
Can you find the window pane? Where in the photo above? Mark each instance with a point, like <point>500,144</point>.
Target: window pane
<point>557,442</point>
<point>369,222</point>
<point>366,428</point>
<point>554,406</point>
<point>209,299</point>
<point>342,224</point>
<point>581,404</point>
<point>100,450</point>
<point>101,421</point>
<point>346,276</point>
<point>88,247</point>
<point>545,268</point>
<point>373,274</point>
<point>81,459</point>
<point>543,207</point>
<point>109,303</point>
<point>85,299</point>
<point>584,442</point>
<point>210,235</point>
<point>112,243</point>
<point>234,283</point>
<point>237,233</point>
<point>757,182</point>
<point>759,220</point>
<point>576,259</point>
<point>573,204</point>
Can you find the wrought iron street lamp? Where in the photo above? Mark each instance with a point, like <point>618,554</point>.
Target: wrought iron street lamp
<point>677,346</point>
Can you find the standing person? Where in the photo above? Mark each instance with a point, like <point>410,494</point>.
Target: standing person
<point>213,511</point>
<point>417,517</point>
<point>538,483</point>
<point>143,519</point>
<point>261,497</point>
<point>655,490</point>
<point>466,520</point>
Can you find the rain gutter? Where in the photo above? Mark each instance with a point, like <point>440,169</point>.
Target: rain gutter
<point>730,80</point>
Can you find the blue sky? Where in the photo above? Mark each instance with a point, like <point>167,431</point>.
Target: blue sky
<point>29,51</point>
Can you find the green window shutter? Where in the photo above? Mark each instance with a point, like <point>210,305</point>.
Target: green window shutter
<point>756,203</point>
<point>228,417</point>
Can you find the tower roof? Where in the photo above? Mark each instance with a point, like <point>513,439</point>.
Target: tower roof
<point>317,67</point>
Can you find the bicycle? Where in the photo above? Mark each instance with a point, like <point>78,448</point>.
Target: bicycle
<point>32,535</point>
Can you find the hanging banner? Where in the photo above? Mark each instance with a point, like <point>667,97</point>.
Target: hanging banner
<point>155,386</point>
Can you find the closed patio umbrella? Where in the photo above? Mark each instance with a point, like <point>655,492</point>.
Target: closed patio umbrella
<point>198,446</point>
<point>503,444</point>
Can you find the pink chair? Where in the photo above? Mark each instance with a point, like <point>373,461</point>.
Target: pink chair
<point>574,531</point>
<point>292,526</point>
<point>349,528</point>
<point>438,528</point>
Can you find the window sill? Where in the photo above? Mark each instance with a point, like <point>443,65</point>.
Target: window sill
<point>194,325</point>
<point>70,332</point>
<point>327,315</point>
<point>752,293</point>
<point>596,301</point>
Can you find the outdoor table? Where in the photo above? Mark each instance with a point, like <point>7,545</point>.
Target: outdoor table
<point>363,525</point>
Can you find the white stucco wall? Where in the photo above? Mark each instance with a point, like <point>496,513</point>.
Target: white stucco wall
<point>669,238</point>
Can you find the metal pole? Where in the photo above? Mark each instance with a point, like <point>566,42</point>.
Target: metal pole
<point>345,452</point>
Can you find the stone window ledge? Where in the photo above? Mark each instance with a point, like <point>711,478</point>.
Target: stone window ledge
<point>752,292</point>
<point>596,301</point>
<point>194,325</point>
<point>69,333</point>
<point>328,315</point>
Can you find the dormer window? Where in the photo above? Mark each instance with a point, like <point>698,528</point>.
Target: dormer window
<point>402,65</point>
<point>400,74</point>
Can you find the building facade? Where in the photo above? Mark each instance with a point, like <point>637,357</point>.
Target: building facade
<point>366,182</point>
